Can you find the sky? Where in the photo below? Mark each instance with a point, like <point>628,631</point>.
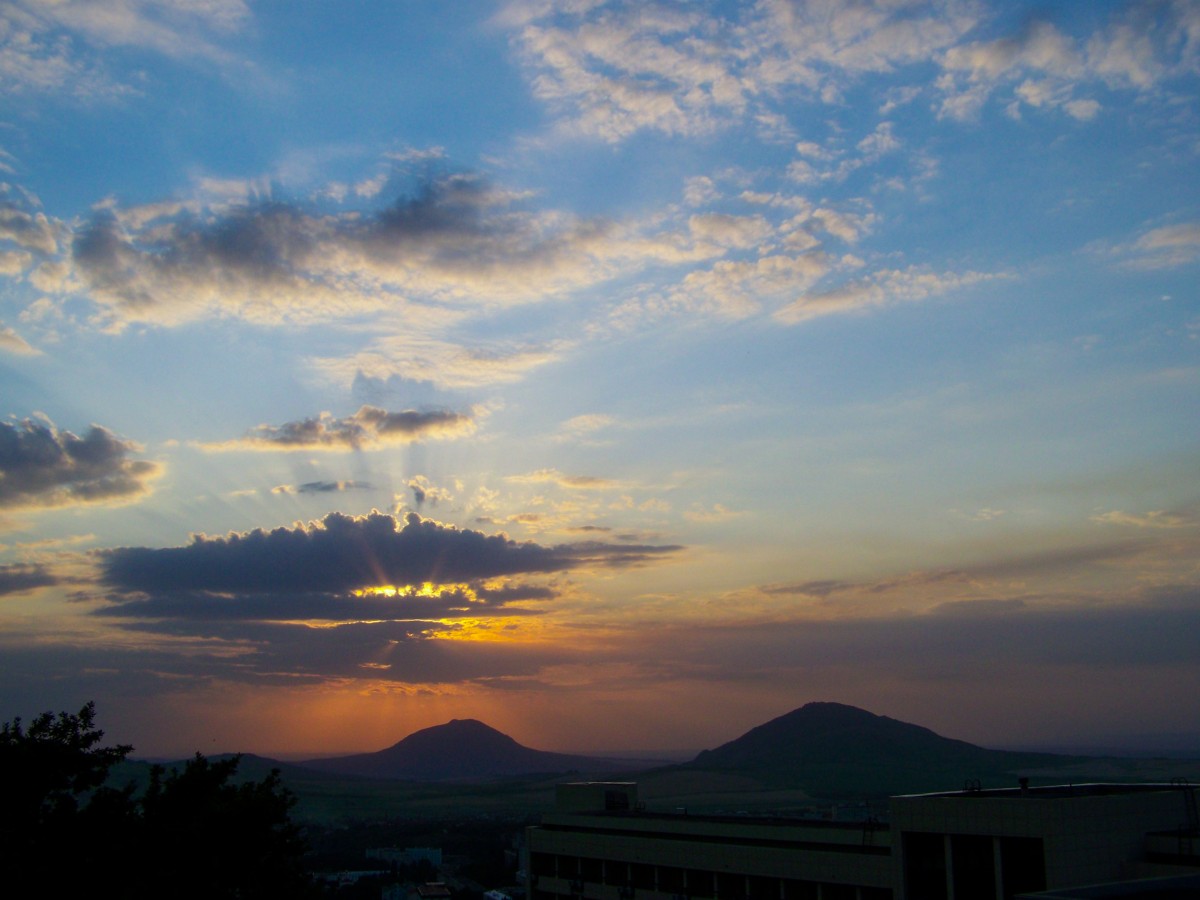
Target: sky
<point>620,374</point>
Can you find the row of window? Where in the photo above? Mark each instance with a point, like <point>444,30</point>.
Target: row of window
<point>579,871</point>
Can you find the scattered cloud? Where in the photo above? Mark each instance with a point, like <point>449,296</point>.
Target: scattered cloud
<point>571,482</point>
<point>23,224</point>
<point>715,513</point>
<point>1159,518</point>
<point>1142,46</point>
<point>43,467</point>
<point>321,487</point>
<point>881,289</point>
<point>613,69</point>
<point>367,429</point>
<point>445,363</point>
<point>424,491</point>
<point>63,46</point>
<point>584,427</point>
<point>1164,247</point>
<point>14,343</point>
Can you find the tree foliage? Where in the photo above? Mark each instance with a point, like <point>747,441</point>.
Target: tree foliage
<point>193,832</point>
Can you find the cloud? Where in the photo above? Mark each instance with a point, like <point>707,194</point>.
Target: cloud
<point>457,244</point>
<point>367,429</point>
<point>1162,248</point>
<point>716,513</point>
<point>1144,45</point>
<point>958,642</point>
<point>399,605</point>
<point>43,467</point>
<point>62,46</point>
<point>24,224</point>
<point>610,70</point>
<point>1159,518</point>
<point>21,578</point>
<point>424,491</point>
<point>14,343</point>
<point>446,364</point>
<point>343,553</point>
<point>881,289</point>
<point>735,289</point>
<point>588,423</point>
<point>727,230</point>
<point>572,482</point>
<point>321,487</point>
<point>270,653</point>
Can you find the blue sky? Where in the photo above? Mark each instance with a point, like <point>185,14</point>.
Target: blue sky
<point>620,374</point>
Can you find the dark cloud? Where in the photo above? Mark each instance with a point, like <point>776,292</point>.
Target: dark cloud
<point>41,466</point>
<point>808,588</point>
<point>263,653</point>
<point>1023,566</point>
<point>960,640</point>
<point>17,579</point>
<point>25,225</point>
<point>321,487</point>
<point>369,427</point>
<point>299,606</point>
<point>343,553</point>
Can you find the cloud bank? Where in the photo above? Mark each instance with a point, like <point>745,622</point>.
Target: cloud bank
<point>344,553</point>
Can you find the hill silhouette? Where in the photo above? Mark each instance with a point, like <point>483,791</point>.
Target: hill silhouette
<point>460,750</point>
<point>835,749</point>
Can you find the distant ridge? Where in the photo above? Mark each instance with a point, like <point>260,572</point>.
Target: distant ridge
<point>832,747</point>
<point>460,750</point>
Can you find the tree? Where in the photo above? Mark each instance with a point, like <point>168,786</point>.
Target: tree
<point>192,833</point>
<point>205,836</point>
<point>51,777</point>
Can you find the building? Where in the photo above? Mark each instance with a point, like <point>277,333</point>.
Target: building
<point>601,844</point>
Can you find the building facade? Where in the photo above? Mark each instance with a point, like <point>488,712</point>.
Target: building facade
<point>599,844</point>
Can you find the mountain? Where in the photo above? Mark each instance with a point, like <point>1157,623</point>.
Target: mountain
<point>830,748</point>
<point>460,750</point>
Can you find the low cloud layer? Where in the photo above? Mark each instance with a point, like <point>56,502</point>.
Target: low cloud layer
<point>343,553</point>
<point>21,577</point>
<point>41,466</point>
<point>367,429</point>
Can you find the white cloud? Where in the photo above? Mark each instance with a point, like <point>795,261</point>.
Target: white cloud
<point>730,231</point>
<point>1161,248</point>
<point>443,362</point>
<point>1146,44</point>
<point>579,428</point>
<point>612,69</point>
<point>14,343</point>
<point>60,46</point>
<point>881,289</point>
<point>571,482</point>
<point>1154,519</point>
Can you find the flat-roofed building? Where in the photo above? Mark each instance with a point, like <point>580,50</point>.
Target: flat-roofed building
<point>600,844</point>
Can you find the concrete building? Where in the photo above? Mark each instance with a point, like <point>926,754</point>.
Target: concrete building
<point>600,844</point>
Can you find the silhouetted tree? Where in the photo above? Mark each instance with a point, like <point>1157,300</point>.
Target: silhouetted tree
<point>204,836</point>
<point>54,806</point>
<point>193,833</point>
